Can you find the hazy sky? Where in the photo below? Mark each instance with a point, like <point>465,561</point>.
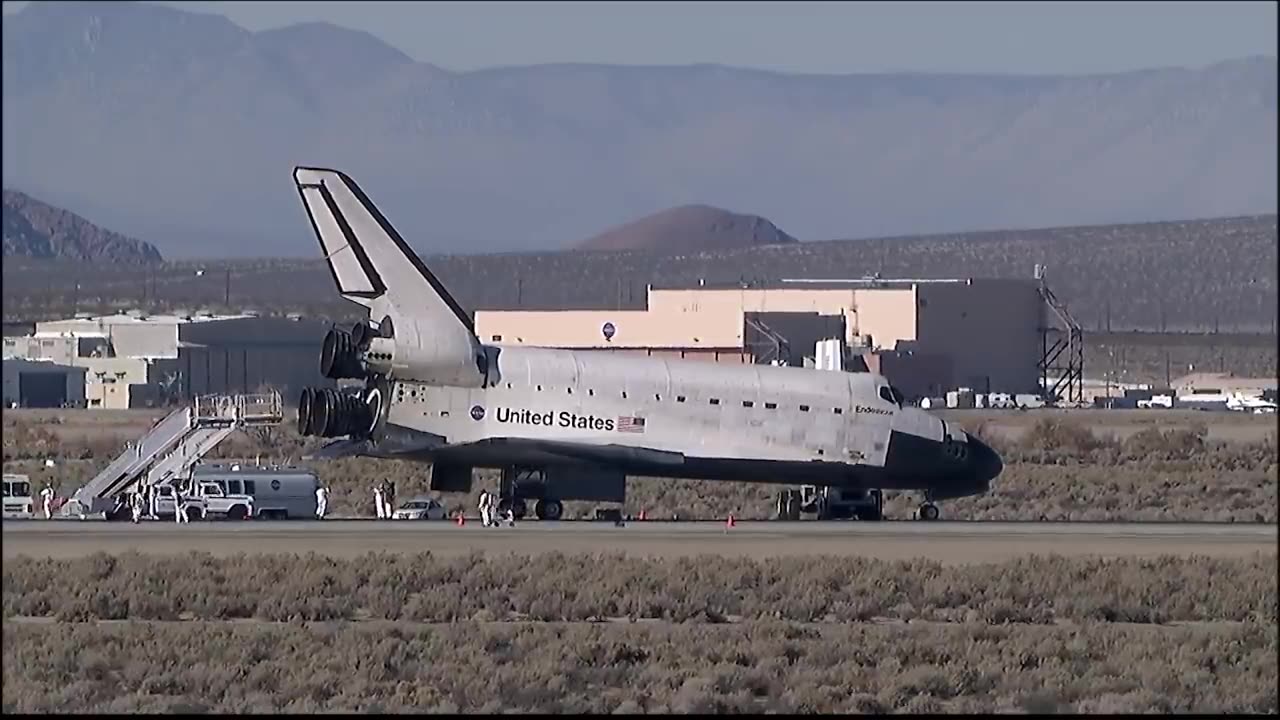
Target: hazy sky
<point>830,37</point>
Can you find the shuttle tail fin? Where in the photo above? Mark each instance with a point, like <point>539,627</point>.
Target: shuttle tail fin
<point>367,257</point>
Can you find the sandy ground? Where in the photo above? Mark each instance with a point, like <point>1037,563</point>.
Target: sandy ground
<point>949,543</point>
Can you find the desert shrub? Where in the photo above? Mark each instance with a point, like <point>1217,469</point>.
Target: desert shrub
<point>770,667</point>
<point>555,587</point>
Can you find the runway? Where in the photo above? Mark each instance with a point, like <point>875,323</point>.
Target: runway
<point>946,542</point>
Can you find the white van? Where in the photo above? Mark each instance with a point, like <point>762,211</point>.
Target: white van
<point>279,492</point>
<point>18,502</point>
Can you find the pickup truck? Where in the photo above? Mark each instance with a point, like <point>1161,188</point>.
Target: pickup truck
<point>206,502</point>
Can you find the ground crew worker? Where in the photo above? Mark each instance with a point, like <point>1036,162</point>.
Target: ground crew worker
<point>389,496</point>
<point>377,500</point>
<point>322,501</point>
<point>178,515</point>
<point>46,496</point>
<point>485,516</point>
<point>136,507</point>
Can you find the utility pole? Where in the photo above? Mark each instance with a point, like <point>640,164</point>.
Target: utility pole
<point>227,295</point>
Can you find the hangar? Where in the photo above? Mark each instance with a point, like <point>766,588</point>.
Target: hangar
<point>927,335</point>
<point>42,384</point>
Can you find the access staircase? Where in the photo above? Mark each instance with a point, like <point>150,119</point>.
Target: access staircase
<point>174,445</point>
<point>1061,362</point>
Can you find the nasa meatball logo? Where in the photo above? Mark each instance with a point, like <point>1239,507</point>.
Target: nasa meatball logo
<point>477,413</point>
<point>608,330</point>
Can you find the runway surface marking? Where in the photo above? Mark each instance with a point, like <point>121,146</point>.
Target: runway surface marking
<point>947,542</point>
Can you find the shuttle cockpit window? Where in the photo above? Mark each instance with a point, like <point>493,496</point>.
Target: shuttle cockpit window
<point>890,394</point>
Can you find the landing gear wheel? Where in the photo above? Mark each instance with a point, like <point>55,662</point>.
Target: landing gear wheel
<point>549,509</point>
<point>928,511</point>
<point>518,508</point>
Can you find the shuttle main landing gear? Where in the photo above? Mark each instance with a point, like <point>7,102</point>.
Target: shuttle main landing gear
<point>830,503</point>
<point>521,484</point>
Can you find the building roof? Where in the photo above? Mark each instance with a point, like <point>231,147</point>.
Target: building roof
<point>42,366</point>
<point>1224,381</point>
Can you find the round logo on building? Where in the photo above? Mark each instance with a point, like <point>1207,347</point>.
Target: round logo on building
<point>608,330</point>
<point>477,413</point>
<point>275,484</point>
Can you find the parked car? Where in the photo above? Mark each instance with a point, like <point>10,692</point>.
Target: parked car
<point>420,508</point>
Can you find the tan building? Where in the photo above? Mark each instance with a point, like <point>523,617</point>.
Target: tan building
<point>926,335</point>
<point>1224,383</point>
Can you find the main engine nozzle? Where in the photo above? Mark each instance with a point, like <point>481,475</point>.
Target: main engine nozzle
<point>340,355</point>
<point>326,412</point>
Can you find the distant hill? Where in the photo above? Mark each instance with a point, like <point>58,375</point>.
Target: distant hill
<point>1186,276</point>
<point>39,230</point>
<point>159,122</point>
<point>690,228</point>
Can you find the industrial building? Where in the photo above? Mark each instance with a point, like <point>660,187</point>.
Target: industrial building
<point>135,360</point>
<point>42,384</point>
<point>927,336</point>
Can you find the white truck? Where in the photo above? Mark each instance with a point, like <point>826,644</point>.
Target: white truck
<point>207,501</point>
<point>18,502</point>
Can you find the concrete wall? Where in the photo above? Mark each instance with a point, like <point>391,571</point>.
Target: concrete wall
<point>108,380</point>
<point>715,328</point>
<point>61,350</point>
<point>989,328</point>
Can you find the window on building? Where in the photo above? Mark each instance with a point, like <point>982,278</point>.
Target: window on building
<point>804,408</point>
<point>679,398</point>
<point>771,406</point>
<point>838,411</point>
<point>747,403</point>
<point>250,487</point>
<point>715,401</point>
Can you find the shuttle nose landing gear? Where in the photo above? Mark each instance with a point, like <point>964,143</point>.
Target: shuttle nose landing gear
<point>927,510</point>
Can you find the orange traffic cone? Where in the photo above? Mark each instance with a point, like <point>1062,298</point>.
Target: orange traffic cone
<point>729,523</point>
<point>641,514</point>
<point>462,519</point>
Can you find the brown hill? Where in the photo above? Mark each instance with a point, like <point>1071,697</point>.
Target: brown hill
<point>690,228</point>
<point>36,229</point>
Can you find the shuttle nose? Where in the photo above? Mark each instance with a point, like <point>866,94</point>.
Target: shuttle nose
<point>985,462</point>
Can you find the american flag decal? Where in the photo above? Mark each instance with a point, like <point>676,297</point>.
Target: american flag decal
<point>631,424</point>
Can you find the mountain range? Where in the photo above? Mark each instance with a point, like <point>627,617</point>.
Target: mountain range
<point>182,128</point>
<point>38,230</point>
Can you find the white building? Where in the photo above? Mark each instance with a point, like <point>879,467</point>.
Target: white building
<point>117,352</point>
